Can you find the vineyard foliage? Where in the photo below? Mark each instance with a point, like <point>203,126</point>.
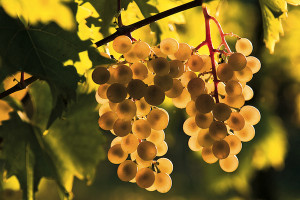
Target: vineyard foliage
<point>51,131</point>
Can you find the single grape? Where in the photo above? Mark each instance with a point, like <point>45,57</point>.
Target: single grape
<point>141,128</point>
<point>162,148</point>
<point>233,88</point>
<point>204,139</point>
<point>221,111</point>
<point>139,71</point>
<point>142,50</point>
<point>116,140</point>
<point>193,143</point>
<point>160,66</point>
<point>244,46</point>
<point>253,63</point>
<point>196,86</point>
<point>235,144</point>
<point>208,155</point>
<point>163,182</point>
<point>122,127</point>
<point>154,95</point>
<point>165,82</point>
<point>129,143</point>
<point>176,68</point>
<point>195,63</point>
<point>165,165</point>
<point>145,177</point>
<point>224,72</point>
<point>176,89</point>
<point>248,93</point>
<point>107,120</point>
<point>191,109</point>
<point>158,119</point>
<point>126,109</point>
<point>234,101</point>
<point>102,90</point>
<point>156,137</point>
<point>136,88</point>
<point>131,56</point>
<point>236,121</point>
<point>250,114</point>
<point>190,127</point>
<point>123,74</point>
<point>122,44</point>
<point>246,134</point>
<point>217,130</point>
<point>127,170</point>
<point>204,103</point>
<point>204,120</point>
<point>142,107</point>
<point>104,108</point>
<point>221,149</point>
<point>100,75</point>
<point>169,46</point>
<point>229,164</point>
<point>147,150</point>
<point>182,100</point>
<point>116,155</point>
<point>116,92</point>
<point>184,52</point>
<point>244,75</point>
<point>237,61</point>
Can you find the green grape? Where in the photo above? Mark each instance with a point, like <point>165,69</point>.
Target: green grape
<point>126,109</point>
<point>158,119</point>
<point>139,71</point>
<point>154,95</point>
<point>250,114</point>
<point>102,90</point>
<point>142,50</point>
<point>141,128</point>
<point>229,164</point>
<point>204,120</point>
<point>221,149</point>
<point>176,68</point>
<point>169,46</point>
<point>236,121</point>
<point>145,177</point>
<point>122,44</point>
<point>127,170</point>
<point>156,137</point>
<point>196,86</point>
<point>165,82</point>
<point>191,109</point>
<point>142,107</point>
<point>195,63</point>
<point>100,75</point>
<point>136,88</point>
<point>224,72</point>
<point>176,89</point>
<point>246,134</point>
<point>160,66</point>
<point>248,93</point>
<point>234,143</point>
<point>204,103</point>
<point>162,148</point>
<point>116,92</point>
<point>147,150</point>
<point>123,74</point>
<point>244,46</point>
<point>244,75</point>
<point>163,182</point>
<point>129,143</point>
<point>237,61</point>
<point>221,111</point>
<point>186,77</point>
<point>165,165</point>
<point>116,155</point>
<point>122,127</point>
<point>217,130</point>
<point>193,143</point>
<point>234,101</point>
<point>107,120</point>
<point>184,52</point>
<point>253,63</point>
<point>182,100</point>
<point>204,139</point>
<point>233,88</point>
<point>190,127</point>
<point>208,155</point>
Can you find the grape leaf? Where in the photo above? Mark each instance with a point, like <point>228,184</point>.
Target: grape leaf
<point>272,13</point>
<point>41,51</point>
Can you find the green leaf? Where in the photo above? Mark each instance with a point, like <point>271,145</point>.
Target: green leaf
<point>273,11</point>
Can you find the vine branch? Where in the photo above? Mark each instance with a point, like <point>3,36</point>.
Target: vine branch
<point>125,30</point>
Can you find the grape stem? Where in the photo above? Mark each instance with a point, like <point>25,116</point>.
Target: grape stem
<point>120,23</point>
<point>126,29</point>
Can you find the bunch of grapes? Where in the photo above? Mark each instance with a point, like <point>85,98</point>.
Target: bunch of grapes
<point>144,76</point>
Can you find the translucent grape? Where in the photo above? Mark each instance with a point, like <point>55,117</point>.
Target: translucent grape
<point>250,114</point>
<point>224,72</point>
<point>136,88</point>
<point>191,109</point>
<point>165,82</point>
<point>116,93</point>
<point>107,120</point>
<point>143,163</point>
<point>186,77</point>
<point>176,89</point>
<point>182,100</point>
<point>123,74</point>
<point>253,63</point>
<point>207,63</point>
<point>129,143</point>
<point>208,155</point>
<point>217,130</point>
<point>104,108</point>
<point>145,177</point>
<point>190,127</point>
<point>160,66</point>
<point>169,46</point>
<point>204,103</point>
<point>229,164</point>
<point>244,46</point>
<point>176,68</point>
<point>126,109</point>
<point>122,44</point>
<point>193,143</point>
<point>204,139</point>
<point>237,61</point>
<point>163,182</point>
<point>139,71</point>
<point>131,56</point>
<point>234,101</point>
<point>158,119</point>
<point>141,128</point>
<point>165,165</point>
<point>236,121</point>
<point>221,111</point>
<point>122,127</point>
<point>156,50</point>
<point>244,75</point>
<point>100,100</point>
<point>233,88</point>
<point>195,63</point>
<point>184,52</point>
<point>142,50</point>
<point>162,149</point>
<point>246,134</point>
<point>156,137</point>
<point>196,86</point>
<point>204,120</point>
<point>127,170</point>
<point>221,149</point>
<point>100,75</point>
<point>248,93</point>
<point>102,90</point>
<point>235,144</point>
<point>154,95</point>
<point>116,155</point>
<point>116,140</point>
<point>147,150</point>
<point>142,107</point>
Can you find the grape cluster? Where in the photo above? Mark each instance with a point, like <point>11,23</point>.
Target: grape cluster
<point>130,91</point>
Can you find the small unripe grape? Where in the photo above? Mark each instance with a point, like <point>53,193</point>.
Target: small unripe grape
<point>102,90</point>
<point>162,148</point>
<point>195,63</point>
<point>127,170</point>
<point>158,119</point>
<point>217,130</point>
<point>237,61</point>
<point>107,120</point>
<point>224,72</point>
<point>160,66</point>
<point>196,86</point>
<point>221,111</point>
<point>154,95</point>
<point>142,50</point>
<point>163,182</point>
<point>235,144</point>
<point>129,143</point>
<point>253,63</point>
<point>204,120</point>
<point>145,177</point>
<point>186,77</point>
<point>136,88</point>
<point>208,155</point>
<point>169,46</point>
<point>141,128</point>
<point>116,155</point>
<point>229,164</point>
<point>182,100</point>
<point>122,44</point>
<point>126,109</point>
<point>165,82</point>
<point>176,68</point>
<point>156,137</point>
<point>204,103</point>
<point>250,114</point>
<point>147,150</point>
<point>233,88</point>
<point>244,46</point>
<point>221,149</point>
<point>244,75</point>
<point>190,127</point>
<point>204,139</point>
<point>122,127</point>
<point>165,165</point>
<point>236,121</point>
<point>191,109</point>
<point>248,93</point>
<point>176,89</point>
<point>142,107</point>
<point>116,93</point>
<point>139,71</point>
<point>100,75</point>
<point>246,134</point>
<point>184,52</point>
